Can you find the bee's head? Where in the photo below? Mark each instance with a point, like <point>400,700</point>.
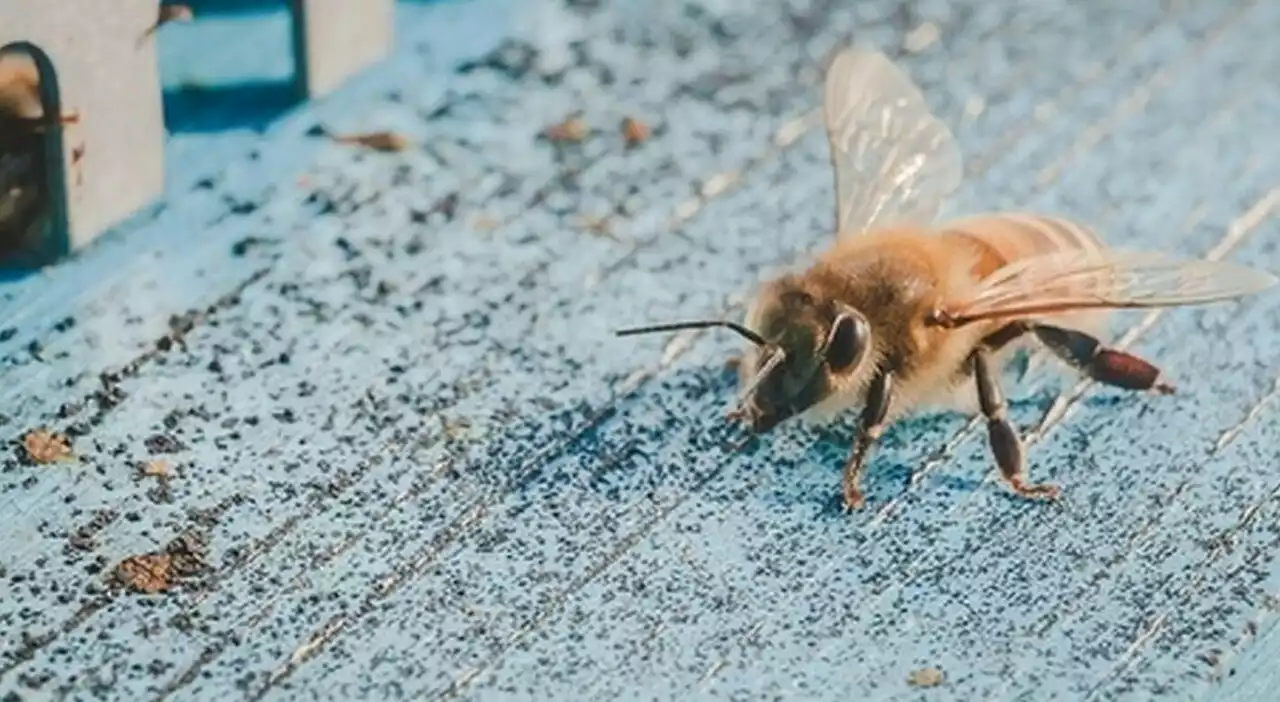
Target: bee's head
<point>812,345</point>
<point>802,349</point>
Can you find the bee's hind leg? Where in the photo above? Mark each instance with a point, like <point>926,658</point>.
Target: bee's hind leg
<point>1105,365</point>
<point>1006,445</point>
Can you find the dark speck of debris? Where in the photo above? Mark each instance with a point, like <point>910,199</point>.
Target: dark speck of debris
<point>163,443</point>
<point>35,348</point>
<point>81,541</point>
<point>35,681</point>
<point>512,58</point>
<point>348,249</point>
<point>83,538</point>
<point>160,494</point>
<point>172,419</point>
<point>240,248</point>
<point>205,184</point>
<point>69,409</point>
<point>583,6</point>
<point>7,334</point>
<point>239,207</point>
<point>66,324</point>
<point>447,206</point>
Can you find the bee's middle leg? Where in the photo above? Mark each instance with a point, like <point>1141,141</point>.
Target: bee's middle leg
<point>870,427</point>
<point>1105,365</point>
<point>1005,443</point>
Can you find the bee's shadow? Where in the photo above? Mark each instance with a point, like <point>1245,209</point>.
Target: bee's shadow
<point>905,449</point>
<point>795,465</point>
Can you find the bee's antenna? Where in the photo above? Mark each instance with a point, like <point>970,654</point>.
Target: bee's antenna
<point>776,354</point>
<point>776,357</point>
<point>697,324</point>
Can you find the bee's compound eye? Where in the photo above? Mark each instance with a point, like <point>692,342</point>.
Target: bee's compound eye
<point>849,337</point>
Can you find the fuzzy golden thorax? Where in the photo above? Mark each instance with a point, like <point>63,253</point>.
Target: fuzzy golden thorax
<point>889,290</point>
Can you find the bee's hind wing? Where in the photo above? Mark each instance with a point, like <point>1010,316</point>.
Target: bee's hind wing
<point>895,162</point>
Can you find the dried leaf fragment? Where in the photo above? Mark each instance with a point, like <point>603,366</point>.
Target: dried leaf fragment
<point>635,132</point>
<point>182,558</point>
<point>926,677</point>
<point>42,446</point>
<point>147,573</point>
<point>383,141</point>
<point>155,469</point>
<point>572,129</point>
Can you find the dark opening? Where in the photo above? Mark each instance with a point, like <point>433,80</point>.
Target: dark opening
<point>33,218</point>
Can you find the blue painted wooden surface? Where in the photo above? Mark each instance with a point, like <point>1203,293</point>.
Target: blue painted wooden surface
<point>423,468</point>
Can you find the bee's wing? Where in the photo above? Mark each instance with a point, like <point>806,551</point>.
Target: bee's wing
<point>1078,280</point>
<point>894,160</point>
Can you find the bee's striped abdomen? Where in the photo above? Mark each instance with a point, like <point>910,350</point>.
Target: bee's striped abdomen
<point>1006,237</point>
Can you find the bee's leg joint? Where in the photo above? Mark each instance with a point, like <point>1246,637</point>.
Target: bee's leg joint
<point>1006,445</point>
<point>1105,365</point>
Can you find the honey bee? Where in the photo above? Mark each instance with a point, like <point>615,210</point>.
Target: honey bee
<point>903,312</point>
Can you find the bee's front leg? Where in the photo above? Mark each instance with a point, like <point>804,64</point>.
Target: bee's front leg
<point>1006,445</point>
<point>870,427</point>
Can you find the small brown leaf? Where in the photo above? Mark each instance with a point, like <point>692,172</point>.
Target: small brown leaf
<point>926,677</point>
<point>156,571</point>
<point>635,132</point>
<point>42,446</point>
<point>572,129</point>
<point>386,142</point>
<point>148,573</point>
